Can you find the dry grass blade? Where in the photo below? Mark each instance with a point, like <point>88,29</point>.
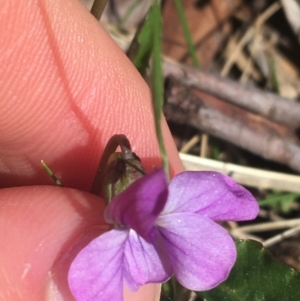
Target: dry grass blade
<point>292,10</point>
<point>248,36</point>
<point>268,226</point>
<point>277,238</point>
<point>252,177</point>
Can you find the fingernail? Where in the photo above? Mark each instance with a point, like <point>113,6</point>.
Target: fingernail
<point>52,291</point>
<point>57,288</point>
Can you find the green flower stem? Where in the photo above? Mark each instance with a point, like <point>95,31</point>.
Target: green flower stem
<point>187,33</point>
<point>157,82</point>
<point>51,174</point>
<point>116,171</point>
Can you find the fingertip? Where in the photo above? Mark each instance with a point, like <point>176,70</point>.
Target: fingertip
<point>149,292</point>
<point>42,230</point>
<point>39,226</point>
<point>75,89</point>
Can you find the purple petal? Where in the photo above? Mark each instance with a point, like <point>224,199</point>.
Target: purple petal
<point>201,251</point>
<point>138,206</point>
<point>144,262</point>
<point>210,194</point>
<point>97,271</point>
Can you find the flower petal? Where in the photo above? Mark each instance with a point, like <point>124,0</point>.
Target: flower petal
<point>97,271</point>
<point>201,251</point>
<point>138,206</point>
<point>210,194</point>
<point>144,262</point>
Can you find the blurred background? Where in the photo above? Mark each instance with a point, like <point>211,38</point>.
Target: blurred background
<point>232,86</point>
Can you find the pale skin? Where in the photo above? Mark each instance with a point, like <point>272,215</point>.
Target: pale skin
<point>65,89</point>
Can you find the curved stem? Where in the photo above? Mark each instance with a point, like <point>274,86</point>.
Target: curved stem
<point>111,146</point>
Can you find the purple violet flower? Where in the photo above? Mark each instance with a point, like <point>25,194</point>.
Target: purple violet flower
<point>161,230</point>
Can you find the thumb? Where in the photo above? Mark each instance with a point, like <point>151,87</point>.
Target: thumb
<point>36,251</point>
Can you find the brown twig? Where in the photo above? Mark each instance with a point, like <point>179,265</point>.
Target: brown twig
<point>98,8</point>
<point>252,132</point>
<point>269,105</point>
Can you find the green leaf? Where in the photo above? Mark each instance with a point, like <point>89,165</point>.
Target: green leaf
<point>187,33</point>
<point>157,81</point>
<point>273,73</point>
<point>141,47</point>
<point>147,43</point>
<point>280,201</point>
<point>278,197</point>
<point>257,276</point>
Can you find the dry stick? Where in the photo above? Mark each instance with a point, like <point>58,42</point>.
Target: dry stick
<point>267,104</point>
<point>255,40</point>
<point>251,33</point>
<point>268,226</point>
<point>253,50</point>
<point>253,177</point>
<point>243,60</point>
<point>258,24</point>
<point>277,238</point>
<point>191,143</point>
<point>183,106</point>
<point>271,215</point>
<point>98,8</point>
<point>204,145</point>
<point>243,235</point>
<point>193,296</point>
<point>248,36</point>
<point>241,232</point>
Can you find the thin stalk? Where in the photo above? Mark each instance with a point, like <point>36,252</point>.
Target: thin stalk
<point>110,148</point>
<point>157,83</point>
<point>51,173</point>
<point>187,33</point>
<point>98,8</point>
